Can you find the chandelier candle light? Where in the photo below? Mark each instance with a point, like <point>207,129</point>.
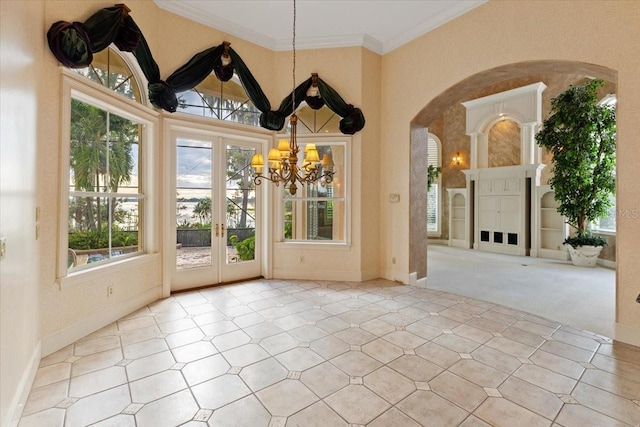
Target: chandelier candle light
<point>283,161</point>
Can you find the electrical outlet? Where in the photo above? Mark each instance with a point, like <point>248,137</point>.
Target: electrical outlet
<point>3,247</point>
<point>109,291</point>
<point>301,259</point>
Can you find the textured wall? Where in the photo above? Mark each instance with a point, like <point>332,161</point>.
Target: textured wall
<point>504,144</point>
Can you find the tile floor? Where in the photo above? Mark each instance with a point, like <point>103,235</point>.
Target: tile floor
<point>279,353</point>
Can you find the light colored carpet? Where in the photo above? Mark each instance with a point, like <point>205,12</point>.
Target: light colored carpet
<point>583,298</point>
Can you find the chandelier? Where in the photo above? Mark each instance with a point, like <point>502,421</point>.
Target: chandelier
<point>283,161</point>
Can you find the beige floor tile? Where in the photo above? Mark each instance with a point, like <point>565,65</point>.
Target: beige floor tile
<point>347,402</point>
<point>171,410</point>
<point>219,328</point>
<point>279,343</point>
<point>177,326</point>
<point>430,409</point>
<point>156,386</point>
<point>397,319</point>
<point>299,359</point>
<point>286,397</point>
<point>499,317</point>
<point>356,363</point>
<point>96,362</point>
<point>473,421</point>
<point>52,417</point>
<point>97,381</point>
<point>474,334</point>
<point>220,391</point>
<point>205,369</point>
<point>249,319</point>
<point>292,321</point>
<point>607,403</point>
<point>557,364</point>
<point>96,407</point>
<point>487,324</point>
<point>479,373</point>
<point>316,415</point>
<point>496,359</point>
<point>120,420</point>
<point>307,333</point>
<point>355,336</point>
<point>567,351</point>
<point>523,337</point>
<point>246,412</point>
<point>457,315</point>
<point>405,340</point>
<point>442,322</point>
<point>459,391</point>
<point>245,355</point>
<point>612,383</point>
<point>137,335</point>
<point>393,418</point>
<point>263,374</point>
<point>329,347</point>
<point>577,340</point>
<point>324,379</point>
<point>502,413</point>
<point>263,330</point>
<point>52,374</point>
<point>415,368</point>
<point>230,340</point>
<point>510,347</point>
<point>96,345</point>
<point>190,352</point>
<point>581,416</point>
<point>531,397</point>
<point>144,348</point>
<point>456,343</point>
<point>150,365</point>
<point>546,379</point>
<point>189,336</point>
<point>377,327</point>
<point>438,354</point>
<point>389,384</point>
<point>209,317</point>
<point>617,367</point>
<point>621,351</point>
<point>534,328</point>
<point>382,350</point>
<point>46,397</point>
<point>57,357</point>
<point>136,323</point>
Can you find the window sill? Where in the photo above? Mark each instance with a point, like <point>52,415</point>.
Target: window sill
<point>315,245</point>
<point>603,232</point>
<point>92,275</point>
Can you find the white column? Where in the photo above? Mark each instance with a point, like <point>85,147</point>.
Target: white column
<point>473,163</point>
<point>529,153</point>
<point>483,150</point>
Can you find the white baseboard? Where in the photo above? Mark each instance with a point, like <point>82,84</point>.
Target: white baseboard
<point>414,281</point>
<point>84,327</point>
<point>626,334</point>
<point>21,395</point>
<point>607,264</point>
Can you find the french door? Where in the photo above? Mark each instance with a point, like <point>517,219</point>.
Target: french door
<point>215,219</point>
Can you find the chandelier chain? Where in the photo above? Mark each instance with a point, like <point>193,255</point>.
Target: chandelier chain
<point>293,44</point>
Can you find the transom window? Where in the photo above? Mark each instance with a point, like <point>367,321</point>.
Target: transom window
<point>433,192</point>
<point>220,100</point>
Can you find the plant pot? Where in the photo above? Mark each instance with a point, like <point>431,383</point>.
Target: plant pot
<point>584,256</point>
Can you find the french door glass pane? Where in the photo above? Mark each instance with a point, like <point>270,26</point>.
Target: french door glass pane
<point>241,205</point>
<point>193,203</point>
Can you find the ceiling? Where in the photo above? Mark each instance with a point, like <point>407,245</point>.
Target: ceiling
<point>378,25</point>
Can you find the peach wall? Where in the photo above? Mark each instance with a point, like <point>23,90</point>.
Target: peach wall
<point>498,33</point>
<point>21,29</point>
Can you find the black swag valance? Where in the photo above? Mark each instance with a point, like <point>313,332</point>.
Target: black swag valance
<point>74,43</point>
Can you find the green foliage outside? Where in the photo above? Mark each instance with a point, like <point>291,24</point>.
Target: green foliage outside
<point>581,135</point>
<point>82,240</point>
<point>433,173</point>
<point>246,248</point>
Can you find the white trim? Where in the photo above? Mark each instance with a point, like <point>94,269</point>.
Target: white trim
<point>19,400</point>
<point>414,281</point>
<point>606,263</point>
<point>626,334</point>
<point>98,320</point>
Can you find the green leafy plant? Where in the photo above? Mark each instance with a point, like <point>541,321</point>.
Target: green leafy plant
<point>246,248</point>
<point>433,173</point>
<point>581,135</point>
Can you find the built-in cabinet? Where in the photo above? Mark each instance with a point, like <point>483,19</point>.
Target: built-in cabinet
<point>553,226</point>
<point>458,218</point>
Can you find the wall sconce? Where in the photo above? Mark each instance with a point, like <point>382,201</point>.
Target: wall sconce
<point>457,159</point>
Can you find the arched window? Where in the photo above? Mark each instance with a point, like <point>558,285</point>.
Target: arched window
<point>434,150</point>
<point>220,100</point>
<point>105,173</point>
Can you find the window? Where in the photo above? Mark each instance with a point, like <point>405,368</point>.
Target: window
<point>607,223</point>
<point>433,193</point>
<point>220,100</point>
<point>318,212</point>
<point>104,200</point>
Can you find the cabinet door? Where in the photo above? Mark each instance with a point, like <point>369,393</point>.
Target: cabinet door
<point>488,215</point>
<point>510,214</point>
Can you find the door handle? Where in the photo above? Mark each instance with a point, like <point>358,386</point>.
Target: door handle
<point>217,231</point>
<point>222,230</point>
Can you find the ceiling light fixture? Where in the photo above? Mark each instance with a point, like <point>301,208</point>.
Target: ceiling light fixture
<point>283,161</point>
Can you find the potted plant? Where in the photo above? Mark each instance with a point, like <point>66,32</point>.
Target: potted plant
<point>433,173</point>
<point>581,135</point>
